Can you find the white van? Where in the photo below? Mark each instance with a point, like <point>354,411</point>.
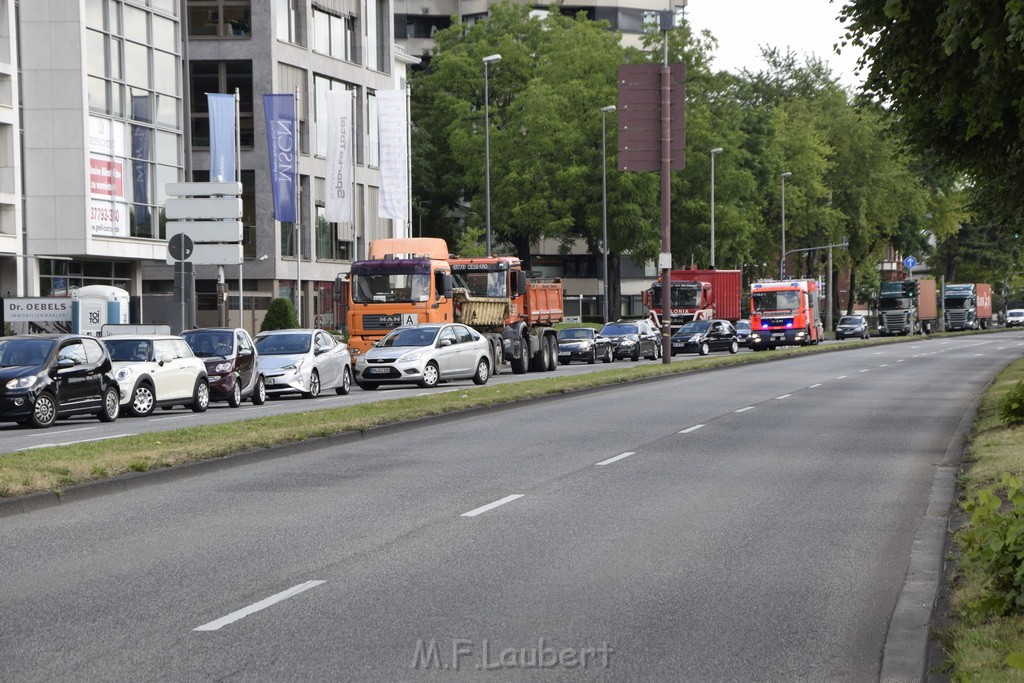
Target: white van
<point>1015,317</point>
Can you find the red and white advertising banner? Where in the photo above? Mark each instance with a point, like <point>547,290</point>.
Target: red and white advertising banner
<point>108,205</point>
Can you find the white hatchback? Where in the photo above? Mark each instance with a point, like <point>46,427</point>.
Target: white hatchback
<point>425,355</point>
<point>157,370</point>
<point>1015,317</point>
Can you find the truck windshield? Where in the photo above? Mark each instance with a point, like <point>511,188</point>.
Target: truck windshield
<point>682,297</point>
<point>958,302</point>
<point>390,287</point>
<point>489,284</point>
<point>894,304</point>
<point>776,301</point>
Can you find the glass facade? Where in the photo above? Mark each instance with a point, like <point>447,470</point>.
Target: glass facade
<point>134,97</point>
<point>221,77</point>
<point>219,19</point>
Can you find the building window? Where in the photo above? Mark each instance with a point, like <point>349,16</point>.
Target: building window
<point>219,18</point>
<point>288,22</point>
<point>334,35</point>
<point>221,77</point>
<point>331,245</point>
<point>321,86</point>
<point>58,278</point>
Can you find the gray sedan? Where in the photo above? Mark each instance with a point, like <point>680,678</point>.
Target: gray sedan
<point>304,362</point>
<point>425,355</point>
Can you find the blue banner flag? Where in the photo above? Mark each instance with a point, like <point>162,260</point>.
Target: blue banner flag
<point>140,165</point>
<point>279,111</point>
<point>222,137</point>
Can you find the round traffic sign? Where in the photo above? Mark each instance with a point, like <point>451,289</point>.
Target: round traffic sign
<point>910,262</point>
<point>180,247</point>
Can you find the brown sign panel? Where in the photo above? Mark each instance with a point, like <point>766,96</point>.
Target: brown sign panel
<point>639,116</point>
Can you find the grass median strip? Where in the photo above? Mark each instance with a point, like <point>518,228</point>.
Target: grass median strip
<point>51,469</point>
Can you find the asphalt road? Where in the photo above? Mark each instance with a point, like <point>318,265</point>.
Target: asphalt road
<point>751,523</point>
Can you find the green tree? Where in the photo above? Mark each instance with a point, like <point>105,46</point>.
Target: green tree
<point>280,315</point>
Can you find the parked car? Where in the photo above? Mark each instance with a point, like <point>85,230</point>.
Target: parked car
<point>304,362</point>
<point>47,376</point>
<point>632,339</point>
<point>232,364</point>
<point>742,332</point>
<point>1015,317</point>
<point>583,344</point>
<point>852,326</point>
<point>157,370</point>
<point>425,355</point>
<point>704,336</point>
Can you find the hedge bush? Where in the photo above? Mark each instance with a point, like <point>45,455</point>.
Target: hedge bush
<point>1011,406</point>
<point>994,543</point>
<point>280,315</point>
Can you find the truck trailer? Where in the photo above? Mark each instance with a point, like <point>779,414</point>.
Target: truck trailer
<point>698,295</point>
<point>907,307</point>
<point>968,306</point>
<point>784,313</point>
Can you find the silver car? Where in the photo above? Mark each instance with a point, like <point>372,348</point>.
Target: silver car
<point>425,354</point>
<point>304,362</point>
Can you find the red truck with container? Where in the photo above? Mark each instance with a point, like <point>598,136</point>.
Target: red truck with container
<point>698,295</point>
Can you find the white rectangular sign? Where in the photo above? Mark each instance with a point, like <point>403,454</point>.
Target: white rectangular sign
<point>38,315</point>
<point>213,255</point>
<point>204,208</point>
<point>203,189</point>
<point>207,231</point>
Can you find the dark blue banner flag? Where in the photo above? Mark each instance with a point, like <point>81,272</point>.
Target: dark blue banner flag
<point>279,111</point>
<point>222,137</point>
<point>140,165</point>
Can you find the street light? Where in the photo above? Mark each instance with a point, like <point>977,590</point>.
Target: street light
<point>604,206</point>
<point>714,152</point>
<point>782,260</point>
<point>487,147</point>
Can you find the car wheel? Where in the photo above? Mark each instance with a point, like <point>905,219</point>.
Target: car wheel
<point>201,396</point>
<point>235,399</point>
<point>704,349</point>
<point>143,401</point>
<point>483,372</point>
<point>636,354</point>
<point>111,405</point>
<point>44,412</point>
<point>593,356</point>
<point>431,376</point>
<point>314,385</point>
<point>346,382</point>
<point>608,357</point>
<point>839,337</point>
<point>734,347</point>
<point>259,394</point>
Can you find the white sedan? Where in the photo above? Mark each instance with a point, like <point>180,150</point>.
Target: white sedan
<point>425,355</point>
<point>157,370</point>
<point>304,362</point>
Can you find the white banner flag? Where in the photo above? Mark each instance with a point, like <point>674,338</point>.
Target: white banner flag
<point>338,203</point>
<point>392,125</point>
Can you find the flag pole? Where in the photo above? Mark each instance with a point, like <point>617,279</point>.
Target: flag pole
<point>298,215</point>
<point>238,178</point>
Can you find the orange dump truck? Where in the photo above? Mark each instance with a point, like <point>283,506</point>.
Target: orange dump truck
<point>411,281</point>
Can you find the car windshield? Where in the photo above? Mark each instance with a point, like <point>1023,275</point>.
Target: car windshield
<point>282,344</point>
<point>209,343</point>
<point>17,352</point>
<point>129,349</point>
<point>576,333</point>
<point>620,329</point>
<point>1015,314</point>
<point>411,336</point>
<point>743,326</point>
<point>695,327</point>
<point>848,320</point>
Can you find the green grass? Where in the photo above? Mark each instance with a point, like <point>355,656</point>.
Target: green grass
<point>976,644</point>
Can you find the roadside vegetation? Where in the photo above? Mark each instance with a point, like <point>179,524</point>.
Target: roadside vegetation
<point>985,637</point>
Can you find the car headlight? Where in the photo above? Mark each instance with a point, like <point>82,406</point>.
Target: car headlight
<point>123,374</point>
<point>415,355</point>
<point>222,367</point>
<point>23,382</point>
<point>695,338</point>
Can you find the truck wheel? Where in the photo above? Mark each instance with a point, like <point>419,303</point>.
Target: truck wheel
<point>552,343</point>
<point>497,358</point>
<point>520,364</point>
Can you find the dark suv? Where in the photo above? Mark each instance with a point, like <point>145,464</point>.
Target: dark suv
<point>231,364</point>
<point>46,376</point>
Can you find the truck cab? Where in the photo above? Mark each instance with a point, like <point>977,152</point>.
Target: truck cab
<point>691,300</point>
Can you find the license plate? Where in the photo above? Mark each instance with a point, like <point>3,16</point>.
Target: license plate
<point>778,336</point>
<point>563,354</point>
<point>379,371</point>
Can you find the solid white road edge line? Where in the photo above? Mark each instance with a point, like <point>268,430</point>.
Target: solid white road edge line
<point>617,457</point>
<point>691,429</point>
<point>66,431</point>
<point>102,438</point>
<point>257,606</point>
<point>491,506</point>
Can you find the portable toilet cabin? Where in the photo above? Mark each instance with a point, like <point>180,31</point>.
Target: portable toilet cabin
<point>94,306</point>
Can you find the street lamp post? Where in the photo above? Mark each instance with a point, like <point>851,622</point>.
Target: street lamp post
<point>604,206</point>
<point>782,260</point>
<point>487,147</point>
<point>714,152</point>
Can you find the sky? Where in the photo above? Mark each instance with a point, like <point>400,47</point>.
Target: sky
<point>804,26</point>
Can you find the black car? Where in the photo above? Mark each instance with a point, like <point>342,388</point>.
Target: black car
<point>853,326</point>
<point>583,344</point>
<point>231,364</point>
<point>43,377</point>
<point>705,336</point>
<point>743,332</point>
<point>632,339</point>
